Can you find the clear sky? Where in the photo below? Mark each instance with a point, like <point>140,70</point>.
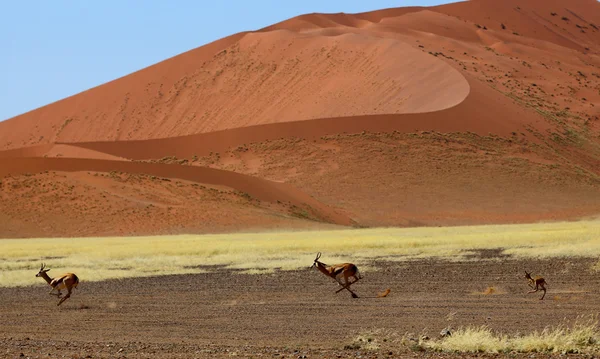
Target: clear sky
<point>50,50</point>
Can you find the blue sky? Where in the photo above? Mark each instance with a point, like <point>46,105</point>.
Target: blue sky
<point>53,49</point>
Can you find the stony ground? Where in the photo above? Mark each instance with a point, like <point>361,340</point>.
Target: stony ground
<point>292,314</point>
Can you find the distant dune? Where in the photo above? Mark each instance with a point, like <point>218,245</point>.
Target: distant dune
<point>481,111</point>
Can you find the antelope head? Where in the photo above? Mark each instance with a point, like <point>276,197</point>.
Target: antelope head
<point>527,275</point>
<point>316,262</point>
<point>42,271</point>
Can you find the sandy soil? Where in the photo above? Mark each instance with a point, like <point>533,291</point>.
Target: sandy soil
<point>291,314</point>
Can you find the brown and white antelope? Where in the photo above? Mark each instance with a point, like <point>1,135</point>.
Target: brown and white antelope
<point>66,281</point>
<point>536,283</point>
<point>337,271</point>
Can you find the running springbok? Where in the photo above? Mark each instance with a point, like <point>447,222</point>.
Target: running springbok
<point>346,270</point>
<point>66,281</point>
<point>536,283</point>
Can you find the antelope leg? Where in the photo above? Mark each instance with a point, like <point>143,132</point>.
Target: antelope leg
<point>347,287</point>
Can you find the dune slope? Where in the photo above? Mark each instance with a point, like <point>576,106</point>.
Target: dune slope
<point>473,112</point>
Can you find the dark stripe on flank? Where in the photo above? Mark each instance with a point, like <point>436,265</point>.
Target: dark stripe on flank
<point>58,282</point>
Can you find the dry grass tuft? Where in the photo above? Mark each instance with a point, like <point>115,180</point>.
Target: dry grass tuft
<point>581,337</point>
<point>470,339</point>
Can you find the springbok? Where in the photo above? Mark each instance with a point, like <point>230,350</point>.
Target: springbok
<point>536,283</point>
<point>346,270</point>
<point>66,281</point>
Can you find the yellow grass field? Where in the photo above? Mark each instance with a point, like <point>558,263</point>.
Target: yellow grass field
<point>96,259</point>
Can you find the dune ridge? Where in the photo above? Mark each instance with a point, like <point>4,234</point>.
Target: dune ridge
<point>259,188</point>
<point>499,118</point>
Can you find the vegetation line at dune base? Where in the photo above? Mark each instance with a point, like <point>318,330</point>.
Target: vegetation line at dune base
<point>580,336</point>
<point>95,259</point>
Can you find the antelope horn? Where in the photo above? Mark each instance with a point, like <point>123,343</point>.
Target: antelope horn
<point>318,256</point>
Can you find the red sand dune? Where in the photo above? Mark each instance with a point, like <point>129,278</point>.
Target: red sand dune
<point>259,188</point>
<point>265,77</point>
<point>533,19</point>
<point>499,117</point>
<point>515,81</point>
<point>57,150</point>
